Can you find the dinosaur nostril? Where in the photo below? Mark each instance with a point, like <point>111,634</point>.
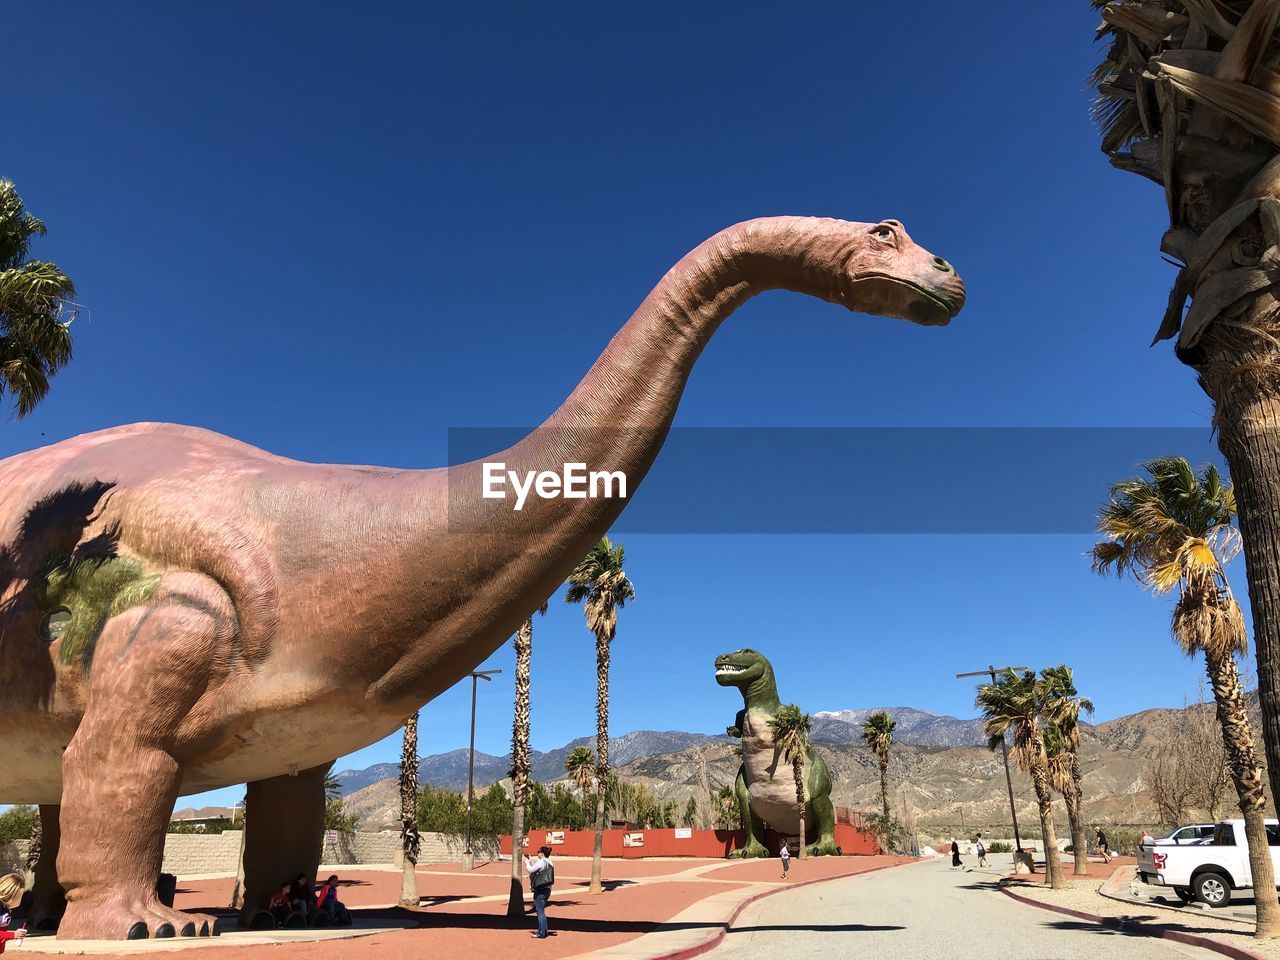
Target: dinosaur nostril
<point>942,265</point>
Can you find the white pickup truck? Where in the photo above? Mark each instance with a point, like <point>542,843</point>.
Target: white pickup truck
<point>1206,872</point>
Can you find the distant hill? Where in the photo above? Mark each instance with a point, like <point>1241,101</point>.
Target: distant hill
<point>917,727</point>
<point>940,768</point>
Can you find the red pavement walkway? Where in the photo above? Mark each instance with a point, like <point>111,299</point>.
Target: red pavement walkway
<point>456,918</point>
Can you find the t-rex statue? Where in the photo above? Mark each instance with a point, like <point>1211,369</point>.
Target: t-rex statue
<point>180,611</point>
<point>766,786</point>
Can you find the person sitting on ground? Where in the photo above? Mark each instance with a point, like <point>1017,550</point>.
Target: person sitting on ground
<point>300,895</point>
<point>280,906</point>
<point>12,886</point>
<point>327,902</point>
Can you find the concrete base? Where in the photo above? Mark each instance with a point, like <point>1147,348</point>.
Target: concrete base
<point>228,937</point>
<point>1022,862</point>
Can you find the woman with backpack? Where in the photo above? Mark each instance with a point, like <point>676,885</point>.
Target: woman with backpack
<point>541,877</point>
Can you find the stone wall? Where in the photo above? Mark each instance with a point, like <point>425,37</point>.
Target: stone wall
<point>196,854</point>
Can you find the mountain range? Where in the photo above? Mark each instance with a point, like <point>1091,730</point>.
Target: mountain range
<point>941,769</point>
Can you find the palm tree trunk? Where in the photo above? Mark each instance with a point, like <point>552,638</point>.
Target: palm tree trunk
<point>1072,798</point>
<point>1073,816</point>
<point>602,755</point>
<point>1249,437</point>
<point>520,765</point>
<point>1246,773</point>
<point>884,789</point>
<point>797,768</point>
<point>1044,798</point>
<point>409,839</point>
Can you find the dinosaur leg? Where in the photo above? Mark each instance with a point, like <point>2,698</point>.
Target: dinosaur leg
<point>822,814</point>
<point>751,824</point>
<point>284,827</point>
<point>120,772</point>
<point>47,899</point>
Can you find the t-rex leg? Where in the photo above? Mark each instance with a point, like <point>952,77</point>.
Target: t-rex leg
<point>750,823</point>
<point>822,814</point>
<point>47,899</point>
<point>284,827</point>
<point>121,774</point>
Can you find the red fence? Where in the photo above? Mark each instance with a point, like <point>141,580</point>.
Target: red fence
<point>633,844</point>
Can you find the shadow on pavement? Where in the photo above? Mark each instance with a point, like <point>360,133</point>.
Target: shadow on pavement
<point>1151,927</point>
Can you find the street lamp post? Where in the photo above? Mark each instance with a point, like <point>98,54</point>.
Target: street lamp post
<point>1004,746</point>
<point>468,858</point>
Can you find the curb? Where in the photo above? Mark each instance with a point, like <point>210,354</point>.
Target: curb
<point>1139,928</point>
<point>715,939</point>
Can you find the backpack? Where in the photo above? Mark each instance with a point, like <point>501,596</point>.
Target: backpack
<point>543,877</point>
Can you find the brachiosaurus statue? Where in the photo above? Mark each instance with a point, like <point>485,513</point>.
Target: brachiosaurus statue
<point>180,611</point>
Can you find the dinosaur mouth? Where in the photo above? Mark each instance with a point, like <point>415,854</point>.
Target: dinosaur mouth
<point>929,307</point>
<point>728,670</point>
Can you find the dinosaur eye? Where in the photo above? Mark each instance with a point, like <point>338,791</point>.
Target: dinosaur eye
<point>54,624</point>
<point>883,233</point>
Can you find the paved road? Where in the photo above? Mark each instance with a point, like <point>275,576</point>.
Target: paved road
<point>925,912</point>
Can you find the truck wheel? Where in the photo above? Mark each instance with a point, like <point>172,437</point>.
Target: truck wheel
<point>1212,889</point>
<point>1184,894</point>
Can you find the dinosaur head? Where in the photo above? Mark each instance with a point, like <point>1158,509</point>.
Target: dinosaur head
<point>741,668</point>
<point>889,274</point>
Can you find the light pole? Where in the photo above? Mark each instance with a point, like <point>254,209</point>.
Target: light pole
<point>1004,746</point>
<point>468,859</point>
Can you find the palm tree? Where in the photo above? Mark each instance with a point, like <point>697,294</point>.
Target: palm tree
<point>1015,702</point>
<point>409,839</point>
<point>877,731</point>
<point>35,341</point>
<point>1063,704</point>
<point>600,583</point>
<point>580,765</point>
<point>1187,98</point>
<point>791,730</point>
<point>520,761</point>
<point>1173,531</point>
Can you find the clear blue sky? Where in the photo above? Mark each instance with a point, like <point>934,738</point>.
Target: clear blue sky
<point>337,230</point>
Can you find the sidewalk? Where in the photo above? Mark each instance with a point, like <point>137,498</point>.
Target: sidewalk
<point>650,908</point>
<point>1088,897</point>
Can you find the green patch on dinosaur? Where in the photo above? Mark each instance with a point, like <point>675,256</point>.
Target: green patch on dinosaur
<point>91,591</point>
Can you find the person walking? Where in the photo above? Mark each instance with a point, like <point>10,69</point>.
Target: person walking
<point>1100,839</point>
<point>542,875</point>
<point>785,854</point>
<point>955,854</point>
<point>980,849</point>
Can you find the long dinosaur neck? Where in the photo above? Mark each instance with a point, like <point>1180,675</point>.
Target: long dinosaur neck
<point>618,416</point>
<point>507,562</point>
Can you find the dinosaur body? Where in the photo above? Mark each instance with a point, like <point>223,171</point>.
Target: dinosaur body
<point>765,786</point>
<point>181,611</point>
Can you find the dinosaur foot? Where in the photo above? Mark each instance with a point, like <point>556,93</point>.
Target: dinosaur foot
<point>126,919</point>
<point>823,848</point>
<point>751,851</point>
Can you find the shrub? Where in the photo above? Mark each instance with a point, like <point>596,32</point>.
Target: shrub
<point>999,846</point>
<point>16,823</point>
